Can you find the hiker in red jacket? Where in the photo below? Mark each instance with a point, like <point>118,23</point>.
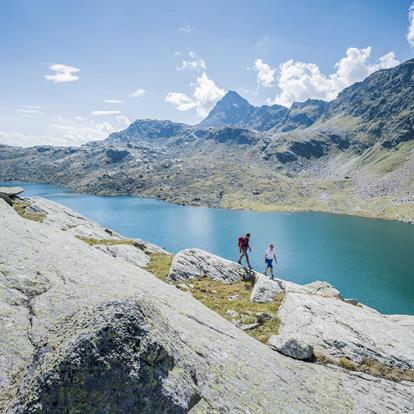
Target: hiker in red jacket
<point>244,246</point>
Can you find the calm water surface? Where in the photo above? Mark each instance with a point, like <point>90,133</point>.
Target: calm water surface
<point>371,260</point>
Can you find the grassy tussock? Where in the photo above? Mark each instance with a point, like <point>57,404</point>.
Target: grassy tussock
<point>107,242</point>
<point>21,211</point>
<point>368,366</point>
<point>159,265</point>
<point>373,367</point>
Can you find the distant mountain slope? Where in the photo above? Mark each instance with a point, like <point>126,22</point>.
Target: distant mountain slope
<point>148,129</point>
<point>353,155</point>
<point>302,115</point>
<point>384,104</point>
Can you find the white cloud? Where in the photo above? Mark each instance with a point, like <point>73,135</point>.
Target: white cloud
<point>205,95</point>
<point>78,135</point>
<point>63,73</point>
<point>66,135</point>
<point>298,81</point>
<point>123,120</point>
<point>265,73</point>
<point>60,119</point>
<point>80,118</point>
<point>185,29</point>
<point>23,140</point>
<point>193,62</point>
<point>181,101</point>
<point>410,32</point>
<point>104,113</point>
<point>112,101</point>
<point>29,110</point>
<point>137,93</point>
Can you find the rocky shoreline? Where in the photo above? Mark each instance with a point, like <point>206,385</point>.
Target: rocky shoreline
<point>94,322</point>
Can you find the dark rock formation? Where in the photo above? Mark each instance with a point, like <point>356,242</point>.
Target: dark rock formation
<point>108,360</point>
<point>116,155</point>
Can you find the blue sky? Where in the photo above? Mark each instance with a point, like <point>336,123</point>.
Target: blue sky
<point>60,60</point>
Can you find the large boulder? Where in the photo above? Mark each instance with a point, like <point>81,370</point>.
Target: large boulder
<point>265,289</point>
<point>11,191</point>
<point>196,263</point>
<point>109,359</point>
<point>291,347</point>
<point>338,329</point>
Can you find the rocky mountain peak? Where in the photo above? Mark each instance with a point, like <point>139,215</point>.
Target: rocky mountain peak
<point>232,109</point>
<point>233,98</point>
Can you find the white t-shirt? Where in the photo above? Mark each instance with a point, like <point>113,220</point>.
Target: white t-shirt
<point>269,254</point>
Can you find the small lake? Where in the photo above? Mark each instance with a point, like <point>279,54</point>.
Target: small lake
<point>370,260</point>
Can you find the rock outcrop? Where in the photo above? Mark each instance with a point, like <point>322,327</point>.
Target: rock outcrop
<point>70,221</point>
<point>338,329</point>
<point>195,263</point>
<point>265,289</point>
<point>11,191</point>
<point>322,288</point>
<point>85,331</point>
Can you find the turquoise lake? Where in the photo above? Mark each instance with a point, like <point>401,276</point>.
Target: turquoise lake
<point>370,260</point>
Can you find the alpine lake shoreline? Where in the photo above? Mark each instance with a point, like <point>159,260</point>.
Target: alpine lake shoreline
<point>258,207</point>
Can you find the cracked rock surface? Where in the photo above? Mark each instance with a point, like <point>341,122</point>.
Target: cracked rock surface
<point>340,329</point>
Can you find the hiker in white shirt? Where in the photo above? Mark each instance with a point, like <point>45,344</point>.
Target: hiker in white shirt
<point>270,255</point>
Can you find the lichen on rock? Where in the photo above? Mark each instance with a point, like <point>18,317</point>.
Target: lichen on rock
<point>108,360</point>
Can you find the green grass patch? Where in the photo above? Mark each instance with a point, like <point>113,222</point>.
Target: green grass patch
<point>159,265</point>
<point>21,209</point>
<point>107,242</point>
<point>215,295</point>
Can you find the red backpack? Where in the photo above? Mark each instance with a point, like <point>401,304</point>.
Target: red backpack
<point>240,242</point>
